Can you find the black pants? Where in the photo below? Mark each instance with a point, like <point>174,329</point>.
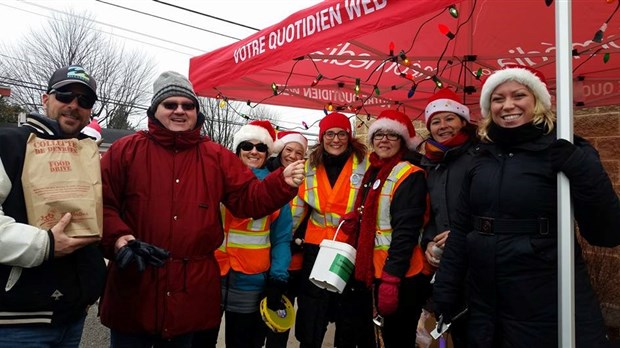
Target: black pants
<point>316,307</point>
<point>399,329</point>
<point>205,339</point>
<point>355,327</point>
<point>354,317</point>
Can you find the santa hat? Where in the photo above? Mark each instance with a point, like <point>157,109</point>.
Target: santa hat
<point>260,130</point>
<point>334,120</point>
<point>396,122</point>
<point>93,130</point>
<point>445,100</point>
<point>529,77</point>
<point>286,137</point>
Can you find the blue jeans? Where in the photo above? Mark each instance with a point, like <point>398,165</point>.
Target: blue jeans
<point>42,336</point>
<point>126,340</point>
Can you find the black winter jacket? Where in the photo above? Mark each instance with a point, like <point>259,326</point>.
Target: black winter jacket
<point>508,259</point>
<point>444,180</point>
<point>59,290</point>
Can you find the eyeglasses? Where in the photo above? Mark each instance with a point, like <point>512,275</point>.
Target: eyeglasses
<point>248,146</point>
<point>341,135</point>
<point>84,101</point>
<point>175,105</point>
<point>390,136</point>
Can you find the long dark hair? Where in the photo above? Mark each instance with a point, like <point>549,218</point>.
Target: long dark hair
<point>356,147</point>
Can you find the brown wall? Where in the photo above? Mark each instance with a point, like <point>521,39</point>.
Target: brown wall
<point>601,126</point>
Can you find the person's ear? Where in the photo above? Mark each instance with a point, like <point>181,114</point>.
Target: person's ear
<point>44,99</point>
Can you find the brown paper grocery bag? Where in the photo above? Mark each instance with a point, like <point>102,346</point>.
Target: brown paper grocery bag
<point>63,176</point>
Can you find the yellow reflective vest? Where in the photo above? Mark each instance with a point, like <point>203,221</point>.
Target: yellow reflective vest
<point>383,233</point>
<point>246,244</point>
<point>328,204</point>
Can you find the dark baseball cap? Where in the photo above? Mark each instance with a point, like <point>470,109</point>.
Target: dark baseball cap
<point>72,74</point>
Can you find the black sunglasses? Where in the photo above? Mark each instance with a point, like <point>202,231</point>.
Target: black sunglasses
<point>175,105</point>
<point>248,146</point>
<point>84,101</point>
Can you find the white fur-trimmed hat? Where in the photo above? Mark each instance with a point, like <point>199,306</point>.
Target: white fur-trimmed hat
<point>529,77</point>
<point>445,100</point>
<point>397,122</point>
<point>285,137</point>
<point>260,130</point>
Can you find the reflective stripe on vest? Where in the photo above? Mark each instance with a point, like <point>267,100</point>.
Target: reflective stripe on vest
<point>246,246</point>
<point>299,210</point>
<point>383,234</point>
<point>327,211</point>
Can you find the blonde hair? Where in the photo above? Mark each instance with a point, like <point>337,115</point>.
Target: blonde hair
<point>542,115</point>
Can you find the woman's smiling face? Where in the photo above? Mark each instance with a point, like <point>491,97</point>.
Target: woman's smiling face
<point>512,105</point>
<point>253,158</point>
<point>445,125</point>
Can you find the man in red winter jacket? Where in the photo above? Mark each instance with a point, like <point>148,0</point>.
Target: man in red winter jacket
<point>164,187</point>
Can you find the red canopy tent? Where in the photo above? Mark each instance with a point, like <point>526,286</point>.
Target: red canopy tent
<point>319,56</point>
<point>388,47</point>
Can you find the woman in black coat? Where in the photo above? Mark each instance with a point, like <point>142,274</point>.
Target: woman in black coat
<point>446,159</point>
<point>503,239</point>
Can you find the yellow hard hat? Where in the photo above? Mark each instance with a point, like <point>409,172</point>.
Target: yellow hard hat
<point>280,320</point>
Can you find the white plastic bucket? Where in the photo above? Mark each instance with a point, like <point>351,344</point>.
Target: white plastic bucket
<point>333,266</point>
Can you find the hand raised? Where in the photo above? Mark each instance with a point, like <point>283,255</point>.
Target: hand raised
<point>65,245</point>
<point>294,173</point>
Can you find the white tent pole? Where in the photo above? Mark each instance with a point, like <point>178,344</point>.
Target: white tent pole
<point>564,105</point>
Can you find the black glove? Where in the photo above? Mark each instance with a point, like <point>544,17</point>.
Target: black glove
<point>274,289</point>
<point>125,256</point>
<point>141,253</point>
<point>155,256</point>
<point>559,152</point>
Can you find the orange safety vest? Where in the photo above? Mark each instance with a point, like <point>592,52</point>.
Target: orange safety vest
<point>383,234</point>
<point>298,209</point>
<point>246,246</point>
<point>329,203</point>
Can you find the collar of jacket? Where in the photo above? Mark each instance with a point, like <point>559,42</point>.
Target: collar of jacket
<point>538,144</point>
<point>46,127</point>
<point>174,140</point>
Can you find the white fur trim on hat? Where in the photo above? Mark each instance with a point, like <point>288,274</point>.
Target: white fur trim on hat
<point>520,75</point>
<point>278,146</point>
<point>446,105</point>
<point>388,124</point>
<point>251,132</point>
<point>93,133</point>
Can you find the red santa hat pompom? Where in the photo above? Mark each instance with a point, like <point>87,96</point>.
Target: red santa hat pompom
<point>285,137</point>
<point>529,77</point>
<point>93,130</point>
<point>445,100</point>
<point>260,130</point>
<point>334,120</point>
<point>396,122</point>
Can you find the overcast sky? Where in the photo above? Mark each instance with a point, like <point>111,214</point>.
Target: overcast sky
<point>135,24</point>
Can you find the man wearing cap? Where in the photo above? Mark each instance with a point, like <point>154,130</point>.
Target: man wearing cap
<point>164,187</point>
<point>49,278</point>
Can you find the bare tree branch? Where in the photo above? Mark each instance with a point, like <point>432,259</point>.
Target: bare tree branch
<point>123,76</point>
<point>223,119</point>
